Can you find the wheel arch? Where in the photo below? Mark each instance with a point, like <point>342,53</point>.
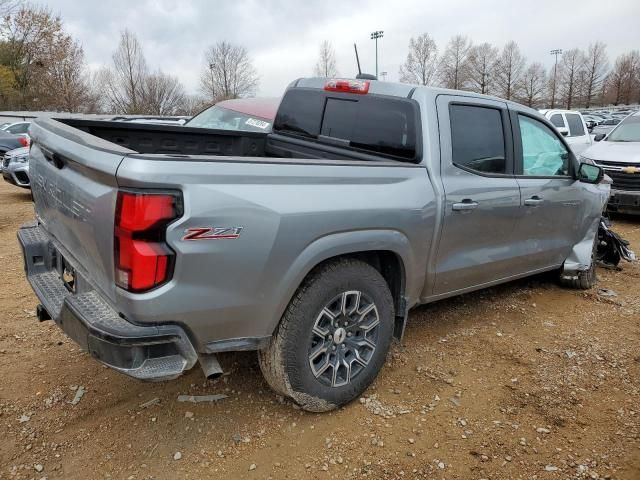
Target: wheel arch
<point>389,252</point>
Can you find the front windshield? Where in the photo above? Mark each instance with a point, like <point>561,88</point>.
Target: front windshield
<point>224,119</point>
<point>627,131</point>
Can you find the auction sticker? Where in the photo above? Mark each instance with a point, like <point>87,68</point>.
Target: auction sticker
<point>257,123</point>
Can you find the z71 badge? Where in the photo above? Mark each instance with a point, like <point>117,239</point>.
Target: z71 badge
<point>212,233</point>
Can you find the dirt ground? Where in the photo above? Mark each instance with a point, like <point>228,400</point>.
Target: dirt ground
<point>525,380</point>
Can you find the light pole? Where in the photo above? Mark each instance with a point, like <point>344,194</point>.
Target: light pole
<point>384,76</point>
<point>375,36</point>
<point>485,83</point>
<point>213,88</point>
<point>556,52</point>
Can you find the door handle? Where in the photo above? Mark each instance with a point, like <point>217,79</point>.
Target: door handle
<point>465,205</point>
<point>533,201</point>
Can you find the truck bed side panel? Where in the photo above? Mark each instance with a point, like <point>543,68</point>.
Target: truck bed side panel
<point>293,216</point>
<point>170,139</point>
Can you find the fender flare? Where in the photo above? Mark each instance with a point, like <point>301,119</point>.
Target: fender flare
<point>345,243</point>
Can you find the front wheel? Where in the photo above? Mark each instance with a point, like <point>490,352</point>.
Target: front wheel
<point>333,338</point>
<point>586,279</point>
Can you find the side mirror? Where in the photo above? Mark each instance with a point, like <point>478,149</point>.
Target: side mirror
<point>599,136</point>
<point>588,173</point>
<point>564,131</point>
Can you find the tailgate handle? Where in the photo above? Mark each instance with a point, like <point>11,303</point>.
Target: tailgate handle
<point>57,160</point>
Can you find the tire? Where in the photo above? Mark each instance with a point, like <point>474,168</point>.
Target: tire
<point>586,279</point>
<point>299,362</point>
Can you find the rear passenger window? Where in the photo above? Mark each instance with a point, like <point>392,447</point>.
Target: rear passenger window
<point>477,138</point>
<point>557,120</point>
<point>576,129</point>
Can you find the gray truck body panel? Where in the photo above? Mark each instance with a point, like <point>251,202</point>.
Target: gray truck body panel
<point>297,213</point>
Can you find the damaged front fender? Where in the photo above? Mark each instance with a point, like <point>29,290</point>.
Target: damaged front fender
<point>581,255</point>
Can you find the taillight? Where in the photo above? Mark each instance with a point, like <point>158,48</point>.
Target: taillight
<point>143,260</point>
<point>24,141</point>
<point>347,86</point>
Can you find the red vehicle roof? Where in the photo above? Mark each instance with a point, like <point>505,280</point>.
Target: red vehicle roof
<point>263,108</point>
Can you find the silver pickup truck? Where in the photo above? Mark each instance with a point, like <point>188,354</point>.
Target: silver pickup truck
<point>156,247</point>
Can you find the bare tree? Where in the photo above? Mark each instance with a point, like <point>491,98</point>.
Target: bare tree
<point>617,79</point>
<point>508,70</point>
<point>326,65</point>
<point>29,34</point>
<point>482,60</point>
<point>596,66</point>
<point>632,90</point>
<point>62,82</point>
<point>162,94</point>
<point>125,83</point>
<point>192,105</point>
<point>533,85</point>
<point>229,72</point>
<point>7,7</point>
<point>570,66</point>
<point>454,64</point>
<point>421,65</point>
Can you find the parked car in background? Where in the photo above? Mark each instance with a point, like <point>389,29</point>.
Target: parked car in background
<point>17,128</point>
<point>619,154</point>
<point>241,114</point>
<point>15,167</point>
<point>591,121</point>
<point>572,126</point>
<point>9,141</point>
<point>606,126</point>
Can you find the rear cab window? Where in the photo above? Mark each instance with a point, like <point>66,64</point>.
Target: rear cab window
<point>373,124</point>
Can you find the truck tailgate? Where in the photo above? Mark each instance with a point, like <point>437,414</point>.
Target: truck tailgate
<point>73,179</point>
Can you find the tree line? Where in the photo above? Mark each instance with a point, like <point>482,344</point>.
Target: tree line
<point>580,79</point>
<point>43,68</point>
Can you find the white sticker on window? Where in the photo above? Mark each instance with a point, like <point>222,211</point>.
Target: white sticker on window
<point>257,123</point>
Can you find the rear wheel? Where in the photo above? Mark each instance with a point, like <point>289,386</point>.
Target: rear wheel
<point>333,338</point>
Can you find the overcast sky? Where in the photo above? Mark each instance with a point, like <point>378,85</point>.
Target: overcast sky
<point>283,36</point>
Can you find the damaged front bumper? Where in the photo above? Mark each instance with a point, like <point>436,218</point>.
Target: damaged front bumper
<point>154,352</point>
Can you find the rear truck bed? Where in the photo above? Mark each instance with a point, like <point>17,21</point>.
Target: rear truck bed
<point>241,234</point>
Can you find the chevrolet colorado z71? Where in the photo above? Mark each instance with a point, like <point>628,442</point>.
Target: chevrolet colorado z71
<point>155,247</point>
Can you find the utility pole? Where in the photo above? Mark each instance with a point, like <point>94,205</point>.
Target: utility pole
<point>556,52</point>
<point>384,76</point>
<point>485,83</point>
<point>213,88</point>
<point>375,36</point>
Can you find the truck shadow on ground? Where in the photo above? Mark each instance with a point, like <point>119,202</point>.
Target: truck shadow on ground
<point>21,196</point>
<point>426,321</point>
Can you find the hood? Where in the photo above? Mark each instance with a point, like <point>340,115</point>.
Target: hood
<point>628,152</point>
<point>17,152</point>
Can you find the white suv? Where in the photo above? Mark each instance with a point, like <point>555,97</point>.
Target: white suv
<point>572,126</point>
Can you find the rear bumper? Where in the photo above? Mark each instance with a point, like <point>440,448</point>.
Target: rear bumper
<point>153,352</point>
<point>624,202</point>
